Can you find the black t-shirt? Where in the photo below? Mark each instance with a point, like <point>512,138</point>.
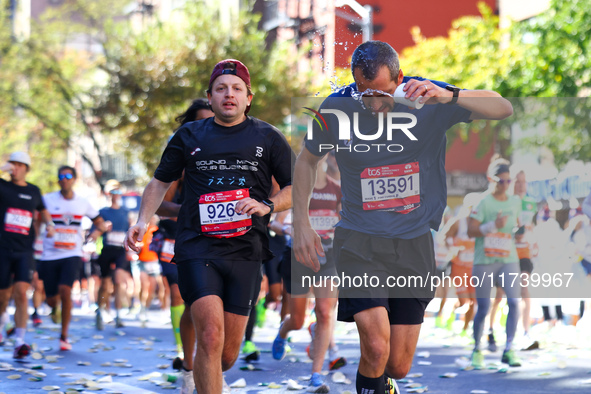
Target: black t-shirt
<point>167,228</point>
<point>217,159</point>
<point>17,207</point>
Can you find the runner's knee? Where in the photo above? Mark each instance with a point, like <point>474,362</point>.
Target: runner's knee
<point>324,314</point>
<point>228,360</point>
<point>376,351</point>
<point>399,369</point>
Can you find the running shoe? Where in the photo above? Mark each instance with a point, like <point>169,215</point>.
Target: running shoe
<point>10,330</point>
<point>36,319</point>
<point>249,347</point>
<point>439,321</point>
<point>188,385</point>
<point>250,351</point>
<point>492,344</point>
<point>477,359</point>
<point>65,345</point>
<point>337,363</point>
<point>56,314</point>
<point>510,358</point>
<point>177,363</point>
<point>317,384</point>
<point>533,346</point>
<point>21,351</point>
<point>391,386</point>
<point>142,316</point>
<point>119,322</point>
<point>279,346</point>
<point>449,324</point>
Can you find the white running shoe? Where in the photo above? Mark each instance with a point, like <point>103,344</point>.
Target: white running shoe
<point>188,386</point>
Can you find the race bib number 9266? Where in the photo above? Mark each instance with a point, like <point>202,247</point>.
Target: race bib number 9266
<point>218,214</point>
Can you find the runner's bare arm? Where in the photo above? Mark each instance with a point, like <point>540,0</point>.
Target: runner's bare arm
<point>282,199</point>
<point>278,224</point>
<point>477,229</point>
<point>151,200</point>
<point>474,228</point>
<point>484,104</point>
<point>50,226</point>
<point>168,209</point>
<point>306,242</point>
<point>250,206</point>
<point>101,227</point>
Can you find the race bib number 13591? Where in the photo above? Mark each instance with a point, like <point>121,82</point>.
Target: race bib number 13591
<point>391,188</point>
<point>218,214</point>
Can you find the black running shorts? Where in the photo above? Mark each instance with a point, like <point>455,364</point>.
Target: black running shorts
<point>393,273</point>
<point>15,267</point>
<point>54,273</point>
<point>236,282</point>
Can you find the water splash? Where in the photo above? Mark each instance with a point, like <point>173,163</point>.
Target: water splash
<point>358,96</point>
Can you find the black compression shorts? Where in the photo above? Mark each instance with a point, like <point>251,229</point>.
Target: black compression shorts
<point>234,281</point>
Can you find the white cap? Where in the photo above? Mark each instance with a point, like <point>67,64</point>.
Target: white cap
<point>112,185</point>
<point>20,157</point>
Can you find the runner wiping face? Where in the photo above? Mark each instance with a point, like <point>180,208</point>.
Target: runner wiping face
<point>377,93</point>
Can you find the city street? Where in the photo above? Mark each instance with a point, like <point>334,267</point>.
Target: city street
<point>133,360</point>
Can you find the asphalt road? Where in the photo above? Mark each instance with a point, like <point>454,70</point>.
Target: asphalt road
<point>133,359</point>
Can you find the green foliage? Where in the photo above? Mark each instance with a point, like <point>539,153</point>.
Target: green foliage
<point>557,64</point>
<point>557,51</point>
<point>546,56</point>
<point>474,55</point>
<point>126,79</point>
<point>152,77</point>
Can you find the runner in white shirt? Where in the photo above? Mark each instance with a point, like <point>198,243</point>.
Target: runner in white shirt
<point>61,258</point>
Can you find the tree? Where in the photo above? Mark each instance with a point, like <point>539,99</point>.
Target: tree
<point>123,91</point>
<point>557,66</point>
<point>476,54</point>
<point>546,56</point>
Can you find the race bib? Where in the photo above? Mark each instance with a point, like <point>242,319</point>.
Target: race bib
<point>116,238</point>
<point>18,221</point>
<point>466,253</point>
<point>498,245</point>
<point>65,238</point>
<point>466,257</point>
<point>391,188</point>
<point>218,215</point>
<point>323,220</point>
<point>167,252</point>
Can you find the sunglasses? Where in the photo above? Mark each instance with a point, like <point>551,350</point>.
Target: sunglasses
<point>61,177</point>
<point>503,181</point>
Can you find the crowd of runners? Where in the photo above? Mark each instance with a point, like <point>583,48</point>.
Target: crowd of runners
<point>227,229</point>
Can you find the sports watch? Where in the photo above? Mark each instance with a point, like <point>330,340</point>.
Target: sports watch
<point>456,92</point>
<point>270,204</point>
